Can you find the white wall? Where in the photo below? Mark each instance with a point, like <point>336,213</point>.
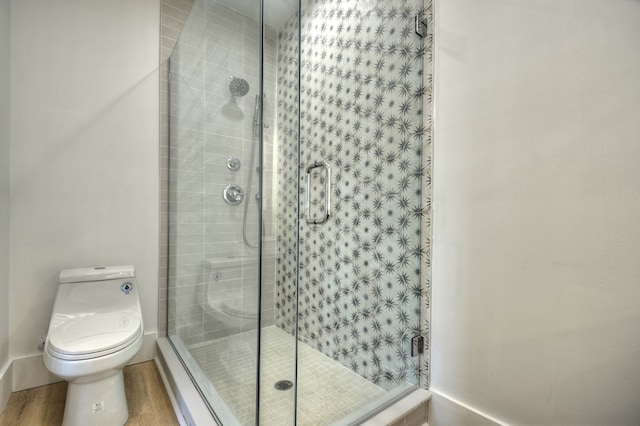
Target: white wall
<point>6,378</point>
<point>5,34</point>
<point>84,175</point>
<point>536,267</point>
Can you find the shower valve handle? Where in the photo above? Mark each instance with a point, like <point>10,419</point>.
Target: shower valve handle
<point>233,194</point>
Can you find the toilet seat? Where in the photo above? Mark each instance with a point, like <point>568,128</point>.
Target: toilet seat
<point>92,336</point>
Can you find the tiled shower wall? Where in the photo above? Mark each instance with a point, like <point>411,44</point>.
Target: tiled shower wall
<point>207,125</point>
<point>363,90</point>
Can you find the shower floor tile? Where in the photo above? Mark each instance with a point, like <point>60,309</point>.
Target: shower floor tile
<point>327,390</point>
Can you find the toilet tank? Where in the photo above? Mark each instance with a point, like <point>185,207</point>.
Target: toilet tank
<point>97,273</point>
<point>93,291</point>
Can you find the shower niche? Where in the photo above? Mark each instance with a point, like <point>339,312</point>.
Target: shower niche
<point>295,250</point>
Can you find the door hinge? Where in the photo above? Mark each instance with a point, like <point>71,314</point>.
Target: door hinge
<point>421,26</point>
<point>417,345</point>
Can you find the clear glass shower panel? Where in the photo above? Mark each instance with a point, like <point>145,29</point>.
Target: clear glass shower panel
<point>215,197</point>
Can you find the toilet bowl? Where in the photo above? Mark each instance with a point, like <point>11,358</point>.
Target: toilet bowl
<point>95,330</point>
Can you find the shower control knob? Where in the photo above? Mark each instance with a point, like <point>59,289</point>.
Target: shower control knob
<point>233,163</point>
<point>233,194</point>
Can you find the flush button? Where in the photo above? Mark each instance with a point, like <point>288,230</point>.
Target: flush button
<point>126,287</point>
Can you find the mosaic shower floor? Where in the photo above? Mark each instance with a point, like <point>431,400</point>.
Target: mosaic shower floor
<point>327,390</point>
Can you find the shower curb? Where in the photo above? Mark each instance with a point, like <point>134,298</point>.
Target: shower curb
<point>185,398</point>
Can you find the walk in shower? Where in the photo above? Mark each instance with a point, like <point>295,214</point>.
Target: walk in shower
<point>297,211</point>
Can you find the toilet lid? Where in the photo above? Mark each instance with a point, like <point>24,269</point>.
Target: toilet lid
<point>95,333</point>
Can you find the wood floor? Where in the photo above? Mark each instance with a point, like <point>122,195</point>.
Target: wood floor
<point>147,399</point>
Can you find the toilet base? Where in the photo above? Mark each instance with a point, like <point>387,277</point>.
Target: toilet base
<point>102,402</point>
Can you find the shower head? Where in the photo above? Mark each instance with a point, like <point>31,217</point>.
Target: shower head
<point>238,86</point>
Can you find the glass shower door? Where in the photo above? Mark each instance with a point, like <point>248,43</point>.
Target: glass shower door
<point>360,175</point>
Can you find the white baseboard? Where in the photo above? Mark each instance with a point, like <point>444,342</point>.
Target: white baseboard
<point>6,384</point>
<point>148,350</point>
<point>30,372</point>
<point>447,411</point>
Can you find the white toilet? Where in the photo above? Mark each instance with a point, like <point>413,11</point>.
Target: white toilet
<point>95,330</point>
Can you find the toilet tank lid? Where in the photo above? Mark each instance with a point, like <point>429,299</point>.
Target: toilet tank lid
<point>97,273</point>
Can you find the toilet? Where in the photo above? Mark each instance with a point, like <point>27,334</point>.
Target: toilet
<point>95,330</point>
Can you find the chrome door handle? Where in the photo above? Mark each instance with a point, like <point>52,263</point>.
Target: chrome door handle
<point>327,192</point>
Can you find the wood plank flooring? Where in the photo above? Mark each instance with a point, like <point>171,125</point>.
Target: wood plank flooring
<point>44,406</point>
